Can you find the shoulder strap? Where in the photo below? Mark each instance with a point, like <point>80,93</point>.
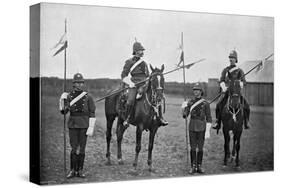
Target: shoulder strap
<point>233,69</point>
<point>136,64</point>
<point>77,98</point>
<point>196,104</point>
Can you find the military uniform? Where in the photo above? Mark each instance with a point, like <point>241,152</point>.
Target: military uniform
<point>78,124</point>
<point>132,74</point>
<point>138,74</point>
<point>231,72</point>
<point>200,114</point>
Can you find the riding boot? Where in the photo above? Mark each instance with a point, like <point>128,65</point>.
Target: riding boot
<point>76,164</point>
<point>199,162</point>
<point>71,173</point>
<point>193,162</point>
<point>129,113</point>
<point>80,166</point>
<point>162,120</point>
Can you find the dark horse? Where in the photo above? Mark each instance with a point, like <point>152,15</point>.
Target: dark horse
<point>232,119</point>
<point>145,116</point>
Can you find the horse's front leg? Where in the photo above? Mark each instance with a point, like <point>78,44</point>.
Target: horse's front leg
<point>150,147</point>
<point>109,123</point>
<point>234,147</point>
<point>237,161</point>
<point>120,132</point>
<point>226,147</point>
<point>138,145</point>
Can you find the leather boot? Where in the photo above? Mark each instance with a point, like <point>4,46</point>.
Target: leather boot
<point>76,163</point>
<point>81,165</point>
<point>199,162</point>
<point>71,173</point>
<point>129,113</point>
<point>193,162</point>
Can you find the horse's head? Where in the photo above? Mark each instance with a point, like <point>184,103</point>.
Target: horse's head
<point>157,83</point>
<point>234,93</point>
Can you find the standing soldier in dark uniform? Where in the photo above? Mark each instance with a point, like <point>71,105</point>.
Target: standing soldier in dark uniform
<point>199,114</point>
<point>134,71</point>
<point>236,73</point>
<point>81,123</point>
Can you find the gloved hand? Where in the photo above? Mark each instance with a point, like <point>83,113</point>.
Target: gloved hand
<point>208,127</point>
<point>128,81</point>
<point>61,102</point>
<point>183,106</point>
<point>241,84</point>
<point>91,128</point>
<point>223,87</point>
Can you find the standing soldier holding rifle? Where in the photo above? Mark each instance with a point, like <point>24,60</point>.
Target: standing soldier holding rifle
<point>81,123</point>
<point>235,73</point>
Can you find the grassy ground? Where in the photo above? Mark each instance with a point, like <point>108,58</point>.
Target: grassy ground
<point>169,153</point>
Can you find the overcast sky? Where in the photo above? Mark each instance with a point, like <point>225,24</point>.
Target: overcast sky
<point>100,39</point>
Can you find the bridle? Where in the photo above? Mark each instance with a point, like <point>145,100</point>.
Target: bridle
<point>232,110</point>
<point>157,94</point>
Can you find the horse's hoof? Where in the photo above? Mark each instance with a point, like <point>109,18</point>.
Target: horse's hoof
<point>134,164</point>
<point>133,172</point>
<point>108,163</point>
<point>151,170</point>
<point>238,167</point>
<point>120,162</point>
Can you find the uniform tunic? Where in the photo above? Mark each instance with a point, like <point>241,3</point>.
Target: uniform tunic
<point>138,74</point>
<point>78,121</point>
<point>235,75</point>
<point>81,111</point>
<point>197,125</point>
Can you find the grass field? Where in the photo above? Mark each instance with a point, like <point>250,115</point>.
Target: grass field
<point>169,153</point>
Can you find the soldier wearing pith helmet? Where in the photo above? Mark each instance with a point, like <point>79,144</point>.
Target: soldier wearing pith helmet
<point>231,72</point>
<point>135,70</point>
<point>197,110</point>
<point>79,103</point>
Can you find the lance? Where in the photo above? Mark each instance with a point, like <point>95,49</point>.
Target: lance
<point>184,97</point>
<point>145,80</point>
<point>216,97</point>
<point>64,115</point>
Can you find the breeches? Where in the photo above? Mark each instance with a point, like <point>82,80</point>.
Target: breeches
<point>131,96</point>
<point>78,140</point>
<point>196,140</point>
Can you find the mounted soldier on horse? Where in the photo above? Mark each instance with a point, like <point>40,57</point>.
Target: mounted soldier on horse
<point>229,74</point>
<point>140,105</point>
<point>136,70</point>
